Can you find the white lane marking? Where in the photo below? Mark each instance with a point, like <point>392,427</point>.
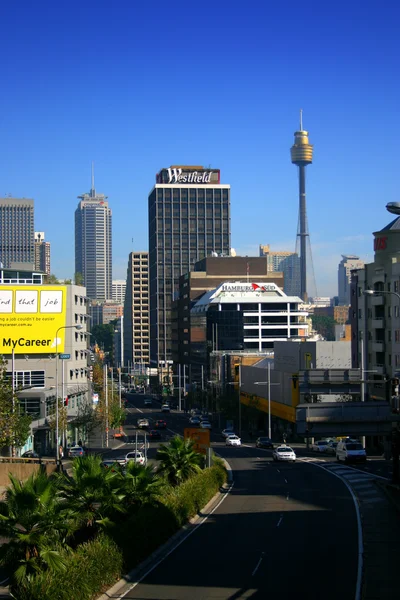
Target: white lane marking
<point>258,564</point>
<point>180,542</point>
<point>278,470</point>
<point>279,522</point>
<point>285,480</point>
<point>359,528</point>
<point>287,497</point>
<point>4,581</point>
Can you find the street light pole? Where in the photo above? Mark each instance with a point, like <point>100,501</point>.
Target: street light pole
<point>240,403</point>
<point>57,401</point>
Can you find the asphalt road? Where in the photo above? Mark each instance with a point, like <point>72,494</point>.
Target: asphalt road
<point>284,531</point>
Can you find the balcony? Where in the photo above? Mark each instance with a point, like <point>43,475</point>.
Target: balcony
<point>378,346</point>
<point>379,369</point>
<point>378,323</point>
<point>377,300</point>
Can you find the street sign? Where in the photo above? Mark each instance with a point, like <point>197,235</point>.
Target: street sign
<point>64,356</point>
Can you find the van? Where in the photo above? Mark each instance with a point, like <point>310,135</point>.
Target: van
<point>349,450</point>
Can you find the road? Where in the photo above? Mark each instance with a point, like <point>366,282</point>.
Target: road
<point>284,531</point>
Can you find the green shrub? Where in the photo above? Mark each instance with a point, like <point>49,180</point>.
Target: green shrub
<point>90,569</point>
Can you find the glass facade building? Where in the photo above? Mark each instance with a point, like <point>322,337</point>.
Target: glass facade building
<point>16,231</point>
<point>188,221</point>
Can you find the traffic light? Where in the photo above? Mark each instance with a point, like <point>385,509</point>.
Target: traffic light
<point>395,386</point>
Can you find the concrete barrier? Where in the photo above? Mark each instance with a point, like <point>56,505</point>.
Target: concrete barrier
<point>23,470</point>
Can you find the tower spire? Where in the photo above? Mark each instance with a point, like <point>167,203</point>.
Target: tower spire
<point>301,119</point>
<point>93,191</point>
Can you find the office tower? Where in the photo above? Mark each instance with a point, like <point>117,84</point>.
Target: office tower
<point>93,244</point>
<point>302,155</point>
<point>287,263</point>
<point>16,231</point>
<point>346,266</point>
<point>136,310</point>
<point>42,253</point>
<point>118,290</point>
<point>189,218</point>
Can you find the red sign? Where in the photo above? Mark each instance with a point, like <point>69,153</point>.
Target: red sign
<point>380,243</point>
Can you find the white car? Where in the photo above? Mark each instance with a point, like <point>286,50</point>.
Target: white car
<point>165,408</point>
<point>143,423</point>
<point>148,402</point>
<point>205,425</point>
<point>137,457</point>
<point>233,440</point>
<point>284,453</point>
<point>350,451</point>
<point>320,446</point>
<point>226,432</point>
<point>331,447</point>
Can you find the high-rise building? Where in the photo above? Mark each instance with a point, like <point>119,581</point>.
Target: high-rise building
<point>93,244</point>
<point>16,231</point>
<point>118,290</point>
<point>189,218</point>
<point>301,155</point>
<point>42,253</point>
<point>136,310</point>
<point>346,266</point>
<point>287,263</point>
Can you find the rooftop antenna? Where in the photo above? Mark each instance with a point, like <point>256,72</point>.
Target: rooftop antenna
<point>301,119</point>
<point>93,190</point>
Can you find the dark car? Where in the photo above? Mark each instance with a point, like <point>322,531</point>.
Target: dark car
<point>30,454</point>
<point>264,442</point>
<point>154,435</point>
<point>161,424</point>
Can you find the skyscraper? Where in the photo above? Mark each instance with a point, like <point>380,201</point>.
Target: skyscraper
<point>42,253</point>
<point>287,263</point>
<point>346,266</point>
<point>136,310</point>
<point>16,231</point>
<point>93,244</point>
<point>189,218</point>
<point>118,290</point>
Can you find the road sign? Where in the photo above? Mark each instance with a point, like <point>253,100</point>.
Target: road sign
<point>64,356</point>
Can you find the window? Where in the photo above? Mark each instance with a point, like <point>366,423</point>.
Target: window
<point>396,286</point>
<point>359,313</point>
<point>397,335</point>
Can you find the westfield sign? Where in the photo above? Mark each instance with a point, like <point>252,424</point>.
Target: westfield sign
<point>177,176</point>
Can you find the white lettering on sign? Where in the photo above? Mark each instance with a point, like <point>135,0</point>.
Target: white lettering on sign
<point>176,176</point>
<point>26,301</point>
<point>51,301</point>
<point>5,301</point>
<point>250,287</point>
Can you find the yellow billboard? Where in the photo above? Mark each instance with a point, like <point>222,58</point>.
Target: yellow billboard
<point>200,437</point>
<point>30,317</point>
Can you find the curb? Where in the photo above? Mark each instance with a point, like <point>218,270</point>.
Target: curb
<point>386,488</point>
<point>162,551</point>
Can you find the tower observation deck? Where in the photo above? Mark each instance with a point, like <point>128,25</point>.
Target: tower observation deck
<point>301,155</point>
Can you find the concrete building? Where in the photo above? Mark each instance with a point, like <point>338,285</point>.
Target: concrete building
<point>118,290</point>
<point>42,253</point>
<point>136,311</point>
<point>208,274</point>
<point>112,311</point>
<point>189,218</point>
<point>286,262</point>
<point>339,313</point>
<point>93,244</point>
<point>52,322</point>
<point>16,231</point>
<point>348,264</point>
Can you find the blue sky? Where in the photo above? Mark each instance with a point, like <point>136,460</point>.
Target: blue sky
<point>136,87</point>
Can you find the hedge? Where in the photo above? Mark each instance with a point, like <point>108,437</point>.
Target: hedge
<point>91,569</point>
<point>155,524</point>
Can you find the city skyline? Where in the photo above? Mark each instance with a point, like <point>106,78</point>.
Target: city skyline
<point>239,116</point>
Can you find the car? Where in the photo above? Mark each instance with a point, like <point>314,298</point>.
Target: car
<point>331,447</point>
<point>76,451</point>
<point>143,423</point>
<point>165,408</point>
<point>226,432</point>
<point>134,456</point>
<point>194,421</point>
<point>109,463</point>
<point>264,442</point>
<point>154,435</point>
<point>30,454</point>
<point>350,451</point>
<point>233,440</point>
<point>148,402</point>
<point>161,424</point>
<point>319,446</point>
<point>285,453</point>
<point>205,425</point>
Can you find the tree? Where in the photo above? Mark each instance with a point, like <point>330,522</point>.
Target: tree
<point>325,326</point>
<point>103,335</point>
<point>78,278</point>
<point>179,460</point>
<point>14,423</point>
<point>35,522</point>
<point>51,280</point>
<point>141,484</point>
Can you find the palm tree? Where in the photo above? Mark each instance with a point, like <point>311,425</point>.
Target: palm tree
<point>141,484</point>
<point>93,493</point>
<point>178,460</point>
<point>35,521</point>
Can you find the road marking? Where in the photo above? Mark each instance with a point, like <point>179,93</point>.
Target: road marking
<point>279,522</point>
<point>287,497</point>
<point>285,480</point>
<point>258,564</point>
<point>278,470</point>
<point>4,581</point>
